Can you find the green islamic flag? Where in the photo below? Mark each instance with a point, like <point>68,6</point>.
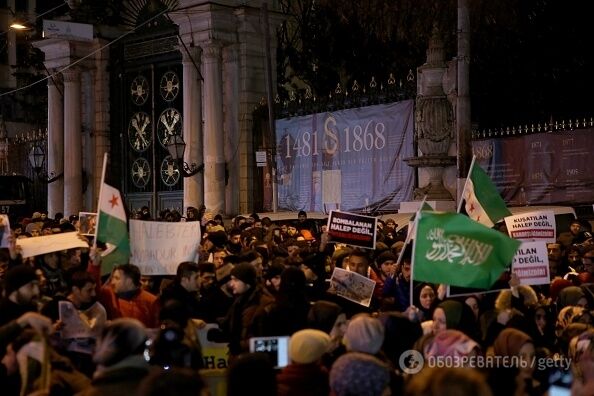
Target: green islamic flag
<point>450,248</point>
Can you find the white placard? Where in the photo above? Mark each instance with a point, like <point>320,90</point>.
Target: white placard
<point>531,263</point>
<point>532,226</point>
<point>352,286</point>
<point>158,247</point>
<point>67,30</point>
<point>50,243</point>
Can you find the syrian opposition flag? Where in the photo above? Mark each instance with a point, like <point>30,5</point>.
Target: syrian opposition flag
<point>482,201</point>
<point>112,227</point>
<point>452,249</point>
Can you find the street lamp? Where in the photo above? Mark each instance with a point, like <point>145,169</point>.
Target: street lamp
<point>176,147</point>
<point>37,159</point>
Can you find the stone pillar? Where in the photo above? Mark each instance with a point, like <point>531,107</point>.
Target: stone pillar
<point>214,160</point>
<point>231,100</point>
<point>55,147</point>
<point>193,135</point>
<point>72,143</point>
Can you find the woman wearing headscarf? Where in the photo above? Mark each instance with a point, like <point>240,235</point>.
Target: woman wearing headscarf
<point>516,377</point>
<point>452,314</point>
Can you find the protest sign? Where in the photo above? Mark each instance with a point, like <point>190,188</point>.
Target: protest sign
<point>50,243</point>
<point>87,222</point>
<point>352,229</point>
<point>531,263</point>
<point>4,230</point>
<point>352,286</point>
<point>532,226</point>
<point>158,247</point>
<point>81,324</point>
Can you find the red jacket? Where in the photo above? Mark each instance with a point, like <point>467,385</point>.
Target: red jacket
<point>142,306</point>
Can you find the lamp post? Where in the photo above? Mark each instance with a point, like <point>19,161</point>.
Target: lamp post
<point>176,147</point>
<point>37,160</point>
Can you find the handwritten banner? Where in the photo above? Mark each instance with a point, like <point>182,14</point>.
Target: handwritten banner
<point>158,247</point>
<point>352,229</point>
<point>50,243</point>
<point>531,263</point>
<point>532,226</point>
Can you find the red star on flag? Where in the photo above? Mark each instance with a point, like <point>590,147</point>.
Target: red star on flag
<point>113,201</point>
<point>471,209</point>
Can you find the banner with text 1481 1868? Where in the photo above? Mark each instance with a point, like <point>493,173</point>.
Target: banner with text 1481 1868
<point>348,160</point>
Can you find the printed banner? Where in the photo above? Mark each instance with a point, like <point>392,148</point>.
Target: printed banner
<point>352,229</point>
<point>532,226</point>
<point>541,168</point>
<point>531,263</point>
<point>50,243</point>
<point>352,286</point>
<point>350,160</point>
<point>158,247</point>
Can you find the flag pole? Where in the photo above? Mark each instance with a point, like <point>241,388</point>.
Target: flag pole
<point>465,183</point>
<point>105,156</point>
<point>412,260</point>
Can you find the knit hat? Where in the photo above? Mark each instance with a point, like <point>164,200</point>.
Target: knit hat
<point>450,343</point>
<point>245,272</point>
<point>308,346</point>
<point>18,277</point>
<point>509,342</point>
<point>33,226</point>
<point>364,334</point>
<point>322,315</point>
<point>36,216</point>
<point>275,269</point>
<point>359,374</point>
<point>386,256</point>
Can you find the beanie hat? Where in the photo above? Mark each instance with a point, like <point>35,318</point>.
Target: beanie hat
<point>18,277</point>
<point>275,269</point>
<point>36,215</point>
<point>509,342</point>
<point>364,334</point>
<point>450,343</point>
<point>308,346</point>
<point>359,374</point>
<point>33,226</point>
<point>245,272</point>
<point>386,256</point>
<point>322,315</point>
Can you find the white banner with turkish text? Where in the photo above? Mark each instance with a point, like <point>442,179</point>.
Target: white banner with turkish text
<point>158,247</point>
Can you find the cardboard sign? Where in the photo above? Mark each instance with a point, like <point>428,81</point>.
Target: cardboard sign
<point>352,286</point>
<point>531,263</point>
<point>352,229</point>
<point>158,247</point>
<point>532,226</point>
<point>50,243</point>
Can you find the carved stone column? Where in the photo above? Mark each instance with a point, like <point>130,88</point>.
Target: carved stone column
<point>55,147</point>
<point>72,143</point>
<point>231,100</point>
<point>214,160</point>
<point>193,135</point>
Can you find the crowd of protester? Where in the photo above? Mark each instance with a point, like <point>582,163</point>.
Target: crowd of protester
<point>257,278</point>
